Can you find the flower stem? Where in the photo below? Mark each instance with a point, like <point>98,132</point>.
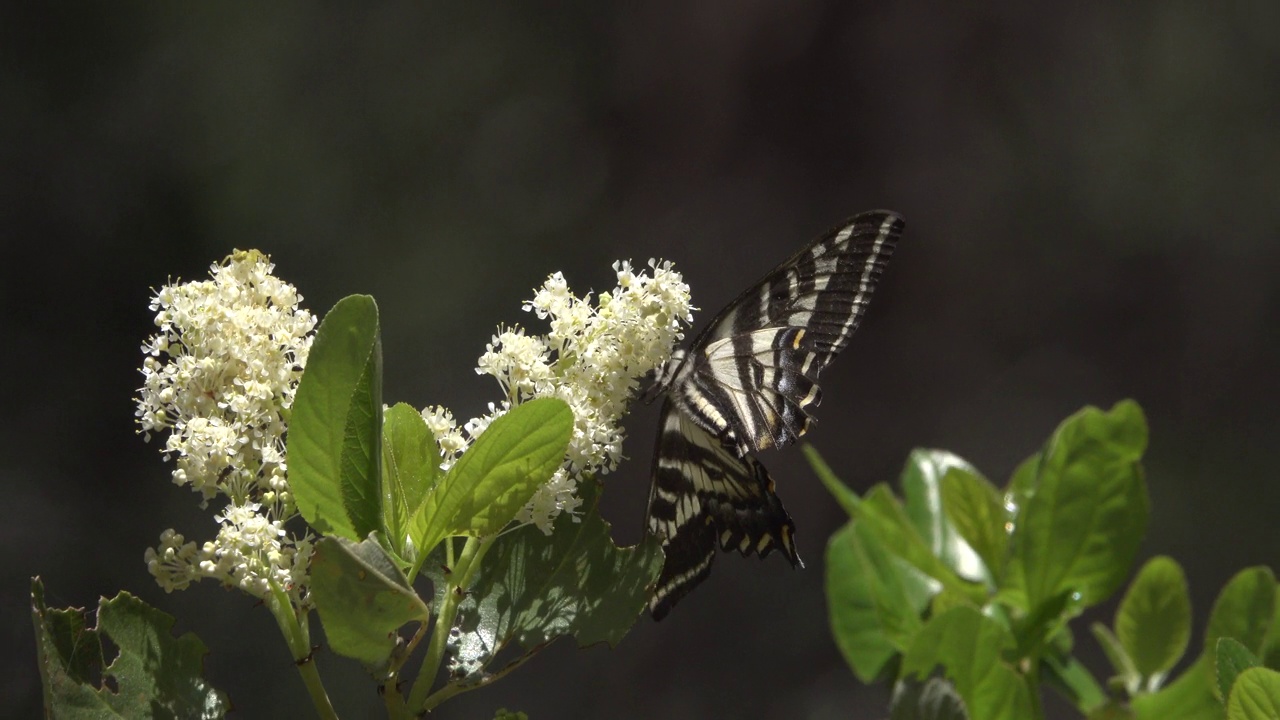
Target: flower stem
<point>468,562</point>
<point>298,639</point>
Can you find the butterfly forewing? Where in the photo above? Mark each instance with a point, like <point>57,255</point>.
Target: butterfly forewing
<point>749,382</point>
<point>763,354</point>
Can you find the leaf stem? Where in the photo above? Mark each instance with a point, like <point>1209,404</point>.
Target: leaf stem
<point>468,562</point>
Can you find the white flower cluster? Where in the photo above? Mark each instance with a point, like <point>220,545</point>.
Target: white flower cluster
<point>593,359</point>
<point>220,377</point>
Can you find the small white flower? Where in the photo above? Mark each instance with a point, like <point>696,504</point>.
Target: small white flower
<point>220,377</point>
<point>592,358</point>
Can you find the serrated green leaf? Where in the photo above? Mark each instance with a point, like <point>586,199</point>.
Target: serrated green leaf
<point>874,599</point>
<point>1153,621</point>
<point>1243,610</point>
<point>1231,659</point>
<point>333,445</point>
<point>933,699</point>
<point>969,647</point>
<point>974,507</point>
<point>921,482</point>
<point>847,498</point>
<point>497,475</point>
<point>155,674</point>
<point>410,469</point>
<point>532,588</point>
<point>362,597</point>
<point>1081,527</point>
<point>1255,696</point>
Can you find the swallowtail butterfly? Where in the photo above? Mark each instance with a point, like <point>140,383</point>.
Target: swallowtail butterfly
<point>749,382</point>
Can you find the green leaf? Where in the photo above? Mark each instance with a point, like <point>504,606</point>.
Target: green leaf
<point>1070,677</point>
<point>1244,610</point>
<point>1256,695</point>
<point>1113,710</point>
<point>1081,527</point>
<point>497,475</point>
<point>933,699</point>
<point>1232,659</point>
<point>969,646</point>
<point>975,509</point>
<point>874,599</point>
<point>921,482</point>
<point>1271,645</point>
<point>363,598</point>
<point>155,675</point>
<point>532,588</point>
<point>1153,622</point>
<point>1190,697</point>
<point>410,469</point>
<point>333,446</point>
<point>883,516</point>
<point>1022,486</point>
<point>847,498</point>
<point>1119,657</point>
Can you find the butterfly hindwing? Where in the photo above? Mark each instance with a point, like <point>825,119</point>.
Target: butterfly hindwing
<point>749,382</point>
<point>703,496</point>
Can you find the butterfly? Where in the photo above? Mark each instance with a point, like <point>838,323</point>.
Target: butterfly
<point>749,382</point>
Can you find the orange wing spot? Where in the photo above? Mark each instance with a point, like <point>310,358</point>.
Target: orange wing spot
<point>795,344</point>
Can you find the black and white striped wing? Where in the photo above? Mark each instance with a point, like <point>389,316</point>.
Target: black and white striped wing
<point>749,382</point>
<point>703,496</point>
<point>751,377</point>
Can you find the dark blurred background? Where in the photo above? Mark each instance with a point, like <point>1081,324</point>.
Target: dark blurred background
<point>1092,194</point>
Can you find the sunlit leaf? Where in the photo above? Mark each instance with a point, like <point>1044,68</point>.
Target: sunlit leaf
<point>333,447</point>
<point>1080,528</point>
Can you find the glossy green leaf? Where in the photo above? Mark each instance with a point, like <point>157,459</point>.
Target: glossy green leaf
<point>1231,659</point>
<point>155,675</point>
<point>1255,695</point>
<point>883,516</point>
<point>969,646</point>
<point>1244,610</point>
<point>497,475</point>
<point>333,446</point>
<point>532,588</point>
<point>410,469</point>
<point>847,498</point>
<point>921,482</point>
<point>932,699</point>
<point>363,598</point>
<point>1153,622</point>
<point>874,599</point>
<point>976,511</point>
<point>1081,527</point>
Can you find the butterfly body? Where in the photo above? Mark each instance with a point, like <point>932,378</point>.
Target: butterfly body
<point>749,382</point>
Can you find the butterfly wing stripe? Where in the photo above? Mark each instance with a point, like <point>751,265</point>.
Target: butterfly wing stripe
<point>743,358</point>
<point>748,382</point>
<point>704,495</point>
